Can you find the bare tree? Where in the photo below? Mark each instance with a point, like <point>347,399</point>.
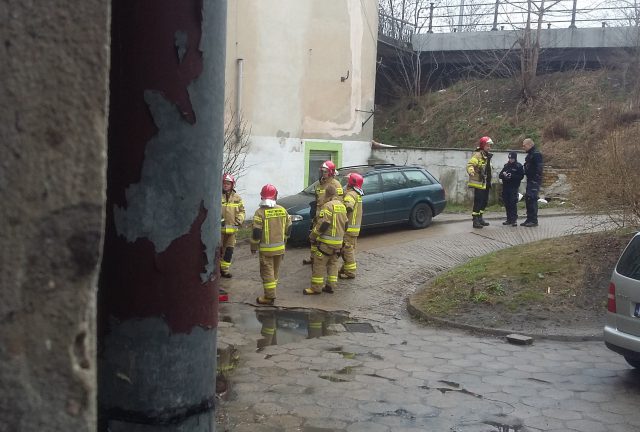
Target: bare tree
<point>237,134</point>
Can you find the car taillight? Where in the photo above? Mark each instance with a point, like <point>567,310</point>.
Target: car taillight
<point>611,304</point>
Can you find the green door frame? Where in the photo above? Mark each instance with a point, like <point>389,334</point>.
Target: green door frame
<point>333,147</point>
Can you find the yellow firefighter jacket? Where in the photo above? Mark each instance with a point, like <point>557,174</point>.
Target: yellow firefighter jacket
<point>353,202</point>
<point>232,212</point>
<point>271,227</point>
<point>477,168</point>
<point>333,214</point>
<point>322,186</point>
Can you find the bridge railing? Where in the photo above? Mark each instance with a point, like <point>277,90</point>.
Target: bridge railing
<point>395,28</point>
<point>492,15</point>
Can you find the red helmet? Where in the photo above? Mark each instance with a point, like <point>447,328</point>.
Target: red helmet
<point>484,141</point>
<point>269,191</point>
<point>355,180</point>
<point>226,177</point>
<point>330,167</point>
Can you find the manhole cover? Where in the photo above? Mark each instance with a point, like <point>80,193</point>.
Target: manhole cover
<point>359,327</point>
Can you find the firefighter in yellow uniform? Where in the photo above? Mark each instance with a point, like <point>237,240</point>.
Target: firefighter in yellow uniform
<point>479,170</point>
<point>353,202</point>
<point>271,228</point>
<point>232,218</point>
<point>327,235</point>
<point>327,177</point>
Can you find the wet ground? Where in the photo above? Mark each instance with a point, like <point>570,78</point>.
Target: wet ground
<point>313,374</point>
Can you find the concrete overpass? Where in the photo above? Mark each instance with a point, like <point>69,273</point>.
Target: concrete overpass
<point>588,44</point>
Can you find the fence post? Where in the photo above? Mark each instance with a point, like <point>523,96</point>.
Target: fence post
<point>573,15</point>
<point>495,17</point>
<point>430,18</point>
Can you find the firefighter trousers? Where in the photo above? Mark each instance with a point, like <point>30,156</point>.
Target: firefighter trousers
<point>227,242</point>
<point>325,268</point>
<point>269,269</point>
<point>349,255</point>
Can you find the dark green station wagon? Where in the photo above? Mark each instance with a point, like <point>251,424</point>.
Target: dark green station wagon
<point>393,195</point>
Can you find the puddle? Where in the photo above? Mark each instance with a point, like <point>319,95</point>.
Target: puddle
<point>280,326</point>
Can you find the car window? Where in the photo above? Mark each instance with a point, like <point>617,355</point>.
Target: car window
<point>629,263</point>
<point>311,189</point>
<point>371,184</point>
<point>393,181</point>
<point>417,178</point>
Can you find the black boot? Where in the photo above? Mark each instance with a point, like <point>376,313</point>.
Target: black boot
<point>482,221</point>
<point>476,222</point>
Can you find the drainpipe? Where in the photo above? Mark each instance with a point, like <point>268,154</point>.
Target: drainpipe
<point>157,302</point>
<point>239,79</point>
<point>461,15</point>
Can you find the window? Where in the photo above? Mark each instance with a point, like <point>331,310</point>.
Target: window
<point>417,178</point>
<point>393,181</point>
<point>371,184</point>
<point>629,264</point>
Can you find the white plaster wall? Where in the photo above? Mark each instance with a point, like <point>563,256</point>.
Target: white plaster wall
<point>447,165</point>
<point>294,54</point>
<point>280,161</point>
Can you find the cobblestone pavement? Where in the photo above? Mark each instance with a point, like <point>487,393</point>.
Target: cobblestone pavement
<point>407,376</point>
<point>411,378</point>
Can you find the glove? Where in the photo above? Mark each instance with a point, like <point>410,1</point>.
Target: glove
<point>312,238</point>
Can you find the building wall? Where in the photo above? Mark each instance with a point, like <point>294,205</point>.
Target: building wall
<point>307,67</point>
<point>55,66</point>
<point>447,165</point>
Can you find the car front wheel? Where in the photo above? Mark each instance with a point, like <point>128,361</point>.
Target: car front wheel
<point>421,216</point>
<point>633,362</point>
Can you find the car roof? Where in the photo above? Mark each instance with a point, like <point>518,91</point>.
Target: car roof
<point>365,169</point>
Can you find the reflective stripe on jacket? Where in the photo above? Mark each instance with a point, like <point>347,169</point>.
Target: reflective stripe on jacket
<point>353,201</point>
<point>232,212</point>
<point>477,168</point>
<point>274,224</point>
<point>335,214</point>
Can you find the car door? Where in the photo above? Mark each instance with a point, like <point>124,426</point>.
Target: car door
<point>397,199</point>
<point>372,201</point>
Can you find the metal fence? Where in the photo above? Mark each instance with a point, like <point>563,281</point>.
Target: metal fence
<point>507,15</point>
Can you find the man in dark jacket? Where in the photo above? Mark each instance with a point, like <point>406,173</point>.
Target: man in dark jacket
<point>533,171</point>
<point>511,175</point>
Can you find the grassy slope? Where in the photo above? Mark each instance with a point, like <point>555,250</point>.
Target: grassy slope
<point>554,276</point>
<point>571,109</point>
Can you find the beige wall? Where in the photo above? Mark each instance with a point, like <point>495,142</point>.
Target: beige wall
<point>294,55</point>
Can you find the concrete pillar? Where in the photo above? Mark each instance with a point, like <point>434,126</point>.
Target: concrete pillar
<point>157,303</point>
<point>53,126</point>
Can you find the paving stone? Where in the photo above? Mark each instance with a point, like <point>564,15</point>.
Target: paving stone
<point>562,414</point>
<point>328,425</point>
<point>586,426</point>
<point>557,394</point>
<point>367,427</point>
<point>543,423</point>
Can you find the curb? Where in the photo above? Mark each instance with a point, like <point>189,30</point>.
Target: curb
<point>420,315</point>
<point>495,216</point>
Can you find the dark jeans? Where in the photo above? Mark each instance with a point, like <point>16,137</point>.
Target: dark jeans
<point>480,200</point>
<point>510,199</point>
<point>531,200</point>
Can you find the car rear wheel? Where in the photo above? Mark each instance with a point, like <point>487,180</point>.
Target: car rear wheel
<point>421,216</point>
<point>633,362</point>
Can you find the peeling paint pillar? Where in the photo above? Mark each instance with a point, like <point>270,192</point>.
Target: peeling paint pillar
<point>157,305</point>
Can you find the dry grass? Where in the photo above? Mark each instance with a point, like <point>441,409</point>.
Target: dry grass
<point>556,279</point>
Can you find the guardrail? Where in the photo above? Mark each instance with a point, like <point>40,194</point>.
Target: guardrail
<point>506,15</point>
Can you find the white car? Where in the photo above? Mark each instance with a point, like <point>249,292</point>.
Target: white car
<point>622,329</point>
